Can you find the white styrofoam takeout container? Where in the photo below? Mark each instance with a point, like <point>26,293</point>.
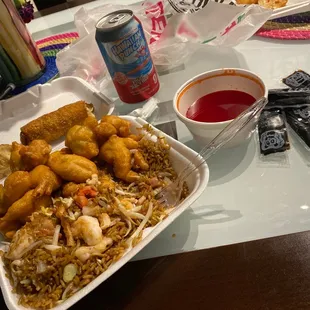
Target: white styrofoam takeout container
<point>41,99</point>
<point>292,7</point>
<point>25,107</point>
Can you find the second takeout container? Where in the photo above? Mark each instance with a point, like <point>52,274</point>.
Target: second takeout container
<point>292,7</point>
<point>21,109</point>
<point>41,99</point>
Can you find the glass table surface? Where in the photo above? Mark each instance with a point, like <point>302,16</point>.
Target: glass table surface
<point>245,199</point>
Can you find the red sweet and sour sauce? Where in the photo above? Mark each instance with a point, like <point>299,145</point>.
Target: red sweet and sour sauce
<point>219,106</point>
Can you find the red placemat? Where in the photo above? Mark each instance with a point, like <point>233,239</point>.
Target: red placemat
<point>294,27</point>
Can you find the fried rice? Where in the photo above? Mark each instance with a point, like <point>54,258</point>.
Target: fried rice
<point>49,271</point>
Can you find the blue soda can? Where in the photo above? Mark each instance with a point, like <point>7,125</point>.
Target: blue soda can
<point>123,46</point>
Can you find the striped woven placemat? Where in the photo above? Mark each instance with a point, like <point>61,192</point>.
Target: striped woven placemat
<point>49,47</point>
<point>293,27</point>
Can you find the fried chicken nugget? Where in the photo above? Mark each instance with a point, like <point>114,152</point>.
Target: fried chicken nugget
<point>15,187</point>
<point>27,157</point>
<point>104,131</point>
<point>116,151</point>
<point>20,210</point>
<point>82,141</point>
<point>122,126</point>
<point>44,180</point>
<point>90,122</point>
<point>52,126</point>
<point>72,167</point>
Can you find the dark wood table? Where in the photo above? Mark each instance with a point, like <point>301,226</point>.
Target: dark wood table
<point>266,274</point>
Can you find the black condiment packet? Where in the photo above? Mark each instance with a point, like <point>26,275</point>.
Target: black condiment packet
<point>168,128</point>
<point>299,120</point>
<point>289,102</point>
<point>284,98</point>
<point>288,92</point>
<point>287,98</point>
<point>298,79</point>
<point>272,132</point>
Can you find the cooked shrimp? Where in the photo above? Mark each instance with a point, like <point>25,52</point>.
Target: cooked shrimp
<point>83,194</point>
<point>85,252</point>
<point>87,228</point>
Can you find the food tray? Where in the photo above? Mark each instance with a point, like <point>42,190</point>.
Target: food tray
<point>51,99</point>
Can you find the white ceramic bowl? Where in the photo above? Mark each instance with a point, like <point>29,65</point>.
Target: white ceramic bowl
<point>210,82</point>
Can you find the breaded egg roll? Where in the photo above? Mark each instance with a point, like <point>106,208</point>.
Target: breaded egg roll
<point>52,126</point>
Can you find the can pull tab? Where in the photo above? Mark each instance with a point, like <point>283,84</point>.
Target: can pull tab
<point>117,18</point>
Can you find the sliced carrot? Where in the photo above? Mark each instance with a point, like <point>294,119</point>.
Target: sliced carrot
<point>87,191</point>
<point>81,201</point>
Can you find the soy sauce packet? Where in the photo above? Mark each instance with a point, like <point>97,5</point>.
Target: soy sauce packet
<point>288,98</point>
<point>289,105</point>
<point>272,132</point>
<point>299,120</point>
<point>298,79</point>
<point>295,103</point>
